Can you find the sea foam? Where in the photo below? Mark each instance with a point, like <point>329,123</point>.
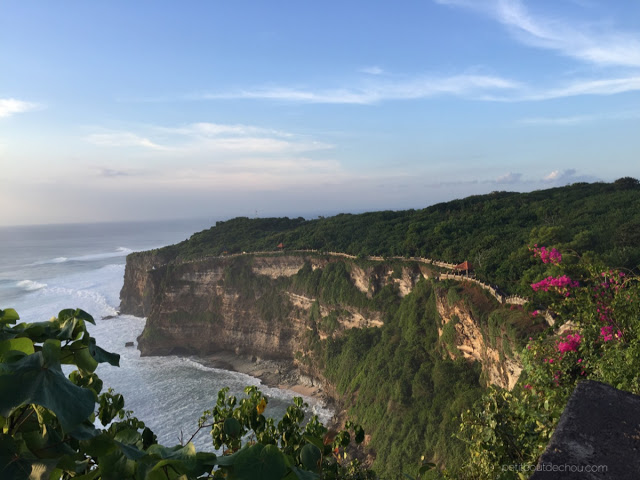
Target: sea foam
<point>30,285</point>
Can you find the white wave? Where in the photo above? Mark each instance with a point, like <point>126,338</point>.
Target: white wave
<point>30,285</point>
<point>89,300</point>
<point>119,252</point>
<point>53,260</point>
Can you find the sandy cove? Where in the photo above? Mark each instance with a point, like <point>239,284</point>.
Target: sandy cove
<point>273,373</point>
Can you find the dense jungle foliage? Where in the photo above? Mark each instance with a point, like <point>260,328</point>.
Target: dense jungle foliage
<point>600,220</point>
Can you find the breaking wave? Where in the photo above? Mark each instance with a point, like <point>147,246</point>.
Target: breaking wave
<point>30,285</point>
<point>119,252</point>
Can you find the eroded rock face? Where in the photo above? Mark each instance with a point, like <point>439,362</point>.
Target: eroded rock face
<point>200,308</point>
<point>196,309</point>
<point>503,372</point>
<point>277,266</point>
<point>137,294</point>
<point>371,279</point>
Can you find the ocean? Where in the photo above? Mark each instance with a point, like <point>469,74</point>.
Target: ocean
<point>44,269</point>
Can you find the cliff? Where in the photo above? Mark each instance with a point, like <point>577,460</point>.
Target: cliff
<point>138,290</point>
<point>471,340</point>
<point>256,305</point>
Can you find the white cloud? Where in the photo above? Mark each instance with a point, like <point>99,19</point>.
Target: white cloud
<point>568,176</point>
<point>122,139</point>
<point>11,106</point>
<point>580,119</point>
<point>478,87</point>
<point>241,139</point>
<point>372,70</point>
<point>509,178</point>
<point>422,87</point>
<point>217,129</point>
<point>559,121</point>
<point>205,138</point>
<point>587,42</point>
<point>608,86</point>
<point>552,176</point>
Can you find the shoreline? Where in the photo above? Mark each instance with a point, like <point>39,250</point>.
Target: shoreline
<point>272,373</point>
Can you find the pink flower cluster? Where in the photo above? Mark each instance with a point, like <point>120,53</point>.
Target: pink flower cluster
<point>546,255</point>
<point>611,284</point>
<point>571,344</point>
<point>607,333</point>
<point>561,283</point>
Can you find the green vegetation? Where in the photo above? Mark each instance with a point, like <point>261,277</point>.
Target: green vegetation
<point>407,393</point>
<point>491,231</point>
<point>48,430</point>
<point>601,311</point>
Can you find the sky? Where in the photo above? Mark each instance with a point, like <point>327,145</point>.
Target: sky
<point>146,110</point>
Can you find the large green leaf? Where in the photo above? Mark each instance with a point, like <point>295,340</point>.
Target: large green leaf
<point>9,316</point>
<point>115,466</point>
<point>177,456</point>
<point>82,356</point>
<point>130,451</point>
<point>32,380</point>
<point>12,465</point>
<point>304,475</point>
<point>101,355</point>
<point>258,462</point>
<point>24,345</point>
<point>69,313</point>
<point>66,329</point>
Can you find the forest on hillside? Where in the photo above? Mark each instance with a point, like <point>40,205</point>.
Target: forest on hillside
<point>600,221</point>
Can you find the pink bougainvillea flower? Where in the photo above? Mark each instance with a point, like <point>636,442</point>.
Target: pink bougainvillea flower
<point>571,344</point>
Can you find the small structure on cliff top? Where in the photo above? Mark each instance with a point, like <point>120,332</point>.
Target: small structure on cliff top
<point>464,267</point>
<point>597,437</point>
<point>281,246</point>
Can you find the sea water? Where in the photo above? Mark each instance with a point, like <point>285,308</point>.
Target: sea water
<point>44,269</point>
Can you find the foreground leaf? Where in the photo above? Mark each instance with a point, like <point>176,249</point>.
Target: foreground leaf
<point>32,380</point>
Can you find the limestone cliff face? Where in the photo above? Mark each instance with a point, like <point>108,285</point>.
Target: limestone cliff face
<point>499,369</point>
<point>231,304</point>
<point>372,279</point>
<point>137,294</point>
<point>244,304</point>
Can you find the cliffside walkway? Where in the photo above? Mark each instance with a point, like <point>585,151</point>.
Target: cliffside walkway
<point>494,290</point>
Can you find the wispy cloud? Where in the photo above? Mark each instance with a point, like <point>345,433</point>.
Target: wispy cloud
<point>476,87</point>
<point>559,121</point>
<point>222,156</point>
<point>11,106</point>
<point>609,86</point>
<point>108,172</point>
<point>372,70</point>
<point>564,177</point>
<point>596,44</point>
<point>580,119</point>
<point>375,92</point>
<point>200,139</point>
<point>123,139</point>
<point>509,178</point>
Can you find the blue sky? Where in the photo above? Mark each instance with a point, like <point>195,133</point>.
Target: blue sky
<point>125,110</point>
